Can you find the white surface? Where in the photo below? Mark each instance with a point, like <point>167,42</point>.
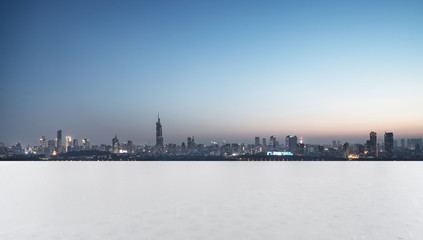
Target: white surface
<point>211,200</point>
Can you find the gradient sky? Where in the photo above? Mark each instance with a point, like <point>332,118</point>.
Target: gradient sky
<point>217,70</point>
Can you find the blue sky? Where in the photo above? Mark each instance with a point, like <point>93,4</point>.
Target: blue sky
<point>218,70</point>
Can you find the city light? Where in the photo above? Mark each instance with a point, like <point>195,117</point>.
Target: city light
<point>270,148</point>
<point>279,154</point>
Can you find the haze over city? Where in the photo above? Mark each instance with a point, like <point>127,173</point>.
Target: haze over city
<point>214,70</point>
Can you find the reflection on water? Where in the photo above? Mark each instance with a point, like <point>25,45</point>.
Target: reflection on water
<point>211,200</point>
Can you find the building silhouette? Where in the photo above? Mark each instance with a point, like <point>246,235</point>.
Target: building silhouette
<point>257,141</point>
<point>75,145</point>
<point>115,144</point>
<point>43,144</point>
<point>68,143</point>
<point>300,149</point>
<point>272,143</point>
<point>291,143</point>
<point>189,144</point>
<point>59,141</point>
<point>389,144</point>
<point>346,150</point>
<point>51,144</point>
<point>86,143</point>
<point>130,146</point>
<point>372,145</point>
<point>159,135</point>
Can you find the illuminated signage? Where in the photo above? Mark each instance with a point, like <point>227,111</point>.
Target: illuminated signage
<point>279,153</point>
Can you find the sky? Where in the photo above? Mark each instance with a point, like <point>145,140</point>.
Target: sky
<point>216,70</point>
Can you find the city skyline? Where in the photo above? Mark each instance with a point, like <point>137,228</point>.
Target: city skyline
<point>288,146</point>
<point>390,148</point>
<point>262,139</point>
<point>151,138</point>
<point>214,70</point>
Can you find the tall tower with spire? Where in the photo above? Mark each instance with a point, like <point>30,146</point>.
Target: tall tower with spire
<point>159,135</point>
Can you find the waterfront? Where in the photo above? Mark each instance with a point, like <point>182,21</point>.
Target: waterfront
<point>211,200</point>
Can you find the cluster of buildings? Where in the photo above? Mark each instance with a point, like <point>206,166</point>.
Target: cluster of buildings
<point>50,147</point>
<point>290,146</point>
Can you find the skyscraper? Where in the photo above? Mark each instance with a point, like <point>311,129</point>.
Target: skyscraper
<point>130,146</point>
<point>189,143</point>
<point>51,146</point>
<point>194,145</point>
<point>272,143</point>
<point>68,143</point>
<point>346,150</point>
<point>59,141</point>
<point>159,135</point>
<point>372,145</point>
<point>300,149</point>
<point>43,145</point>
<point>43,142</point>
<point>389,144</point>
<point>86,143</point>
<point>75,145</point>
<point>291,143</point>
<point>257,141</point>
<point>115,144</point>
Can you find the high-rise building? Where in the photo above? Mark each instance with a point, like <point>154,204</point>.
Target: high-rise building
<point>123,148</point>
<point>291,143</point>
<point>51,146</point>
<point>257,141</point>
<point>115,144</point>
<point>227,150</point>
<point>372,145</point>
<point>300,149</point>
<point>194,145</point>
<point>59,141</point>
<point>389,144</point>
<point>159,135</point>
<point>68,143</point>
<point>346,149</point>
<point>189,144</point>
<point>75,145</point>
<point>361,150</point>
<point>130,146</point>
<point>272,143</point>
<point>264,143</point>
<point>235,148</point>
<point>17,148</point>
<point>402,143</point>
<point>43,144</point>
<point>86,144</point>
